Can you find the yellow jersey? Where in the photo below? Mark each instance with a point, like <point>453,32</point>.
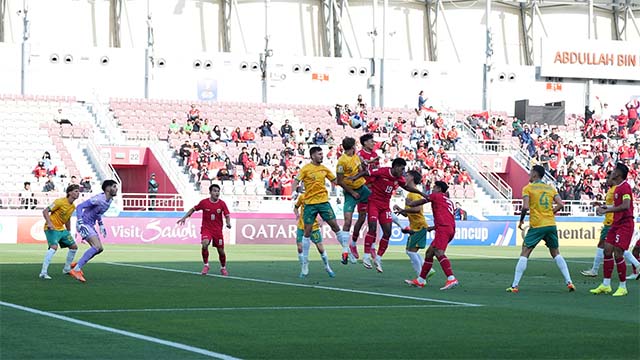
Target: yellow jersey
<point>350,166</point>
<point>313,177</point>
<point>416,220</point>
<point>300,206</point>
<point>540,204</point>
<point>60,212</point>
<point>608,200</point>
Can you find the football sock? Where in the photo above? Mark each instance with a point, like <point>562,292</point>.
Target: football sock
<point>325,258</point>
<point>521,266</point>
<point>306,244</point>
<point>395,219</point>
<point>343,239</point>
<point>628,256</point>
<point>622,270</point>
<point>597,260</point>
<point>446,265</point>
<point>47,260</point>
<point>426,266</point>
<point>223,260</point>
<point>607,267</point>
<point>354,243</point>
<point>70,255</point>
<point>368,243</point>
<point>91,252</point>
<point>415,261</point>
<point>205,256</point>
<point>384,244</point>
<point>564,269</point>
<point>301,258</point>
<point>623,284</point>
<point>606,281</point>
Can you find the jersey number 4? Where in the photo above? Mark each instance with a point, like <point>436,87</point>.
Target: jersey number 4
<point>544,200</point>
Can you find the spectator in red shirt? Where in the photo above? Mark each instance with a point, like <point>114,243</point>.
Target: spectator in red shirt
<point>622,120</point>
<point>236,135</point>
<point>452,137</point>
<point>193,113</point>
<point>373,126</point>
<point>464,178</point>
<point>397,126</point>
<point>632,112</point>
<point>40,170</point>
<point>248,136</point>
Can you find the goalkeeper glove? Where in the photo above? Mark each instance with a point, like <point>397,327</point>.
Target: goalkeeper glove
<point>82,229</point>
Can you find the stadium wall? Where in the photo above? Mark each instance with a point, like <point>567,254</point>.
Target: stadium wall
<point>161,228</point>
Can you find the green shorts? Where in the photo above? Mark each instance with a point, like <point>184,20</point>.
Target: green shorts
<point>59,237</point>
<point>316,236</point>
<point>418,239</point>
<point>311,211</point>
<point>547,233</point>
<point>604,231</point>
<point>350,202</point>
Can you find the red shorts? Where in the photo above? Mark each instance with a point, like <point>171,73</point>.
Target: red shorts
<point>362,207</point>
<point>216,240</point>
<point>379,213</point>
<point>443,236</point>
<point>620,235</point>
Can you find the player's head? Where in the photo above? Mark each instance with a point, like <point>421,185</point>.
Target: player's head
<point>110,187</point>
<point>367,141</point>
<point>348,143</point>
<point>619,174</point>
<point>414,178</point>
<point>397,166</point>
<point>214,191</point>
<point>440,186</point>
<point>536,173</point>
<point>73,192</point>
<point>316,154</point>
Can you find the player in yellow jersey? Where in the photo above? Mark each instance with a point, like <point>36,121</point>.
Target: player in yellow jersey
<point>544,202</point>
<point>350,176</point>
<point>418,225</point>
<point>316,202</point>
<point>316,238</point>
<point>57,225</point>
<point>606,225</point>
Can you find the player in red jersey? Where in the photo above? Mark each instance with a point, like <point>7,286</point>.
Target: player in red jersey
<point>213,209</point>
<point>370,161</point>
<point>384,181</point>
<point>621,231</point>
<point>445,227</point>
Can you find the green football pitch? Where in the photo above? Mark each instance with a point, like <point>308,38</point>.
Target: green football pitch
<point>150,302</point>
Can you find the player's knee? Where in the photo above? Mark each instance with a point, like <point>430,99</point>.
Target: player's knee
<point>99,249</point>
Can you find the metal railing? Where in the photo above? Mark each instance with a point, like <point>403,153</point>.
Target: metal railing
<point>478,166</point>
<point>152,202</point>
<point>33,201</point>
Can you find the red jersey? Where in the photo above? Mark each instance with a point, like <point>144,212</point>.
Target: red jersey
<point>442,210</point>
<point>365,155</point>
<point>212,214</point>
<point>623,191</point>
<point>383,184</point>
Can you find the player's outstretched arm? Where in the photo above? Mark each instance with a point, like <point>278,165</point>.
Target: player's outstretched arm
<point>187,215</point>
<point>626,203</point>
<point>415,203</point>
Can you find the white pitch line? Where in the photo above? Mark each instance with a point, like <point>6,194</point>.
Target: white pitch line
<point>513,258</point>
<point>122,332</point>
<point>263,308</point>
<point>300,285</point>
